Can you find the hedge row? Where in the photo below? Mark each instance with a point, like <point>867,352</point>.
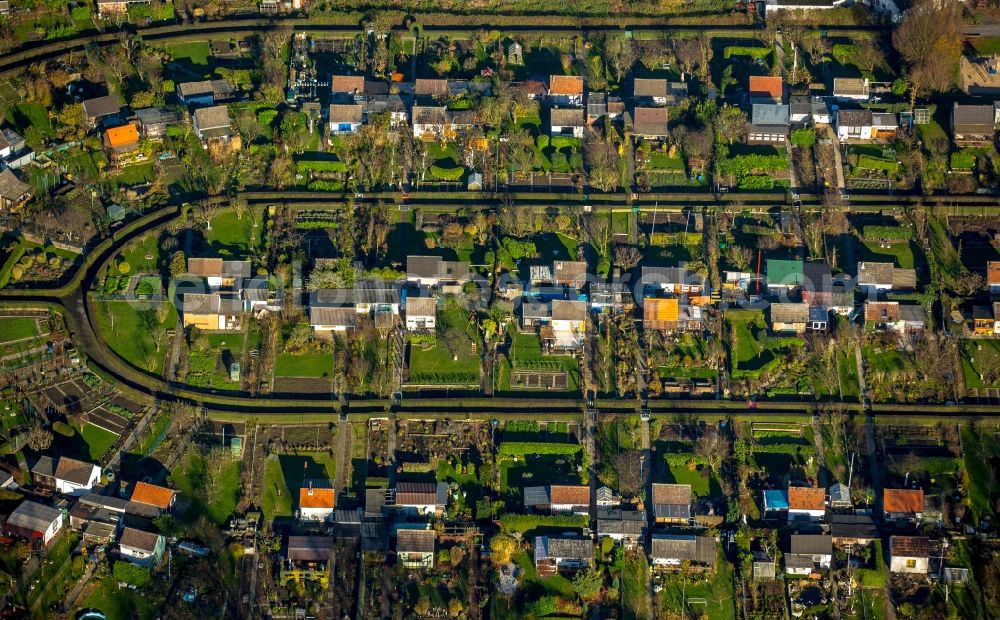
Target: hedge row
<point>897,233</point>
<point>752,164</point>
<point>526,523</point>
<point>315,165</point>
<point>520,448</point>
<point>756,182</point>
<point>746,50</point>
<point>447,174</point>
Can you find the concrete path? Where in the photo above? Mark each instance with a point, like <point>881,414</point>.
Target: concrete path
<point>838,163</point>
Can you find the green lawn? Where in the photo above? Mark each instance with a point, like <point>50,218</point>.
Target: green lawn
<point>884,361</point>
<point>701,485</point>
<point>202,367</point>
<point>17,328</point>
<point>715,588</point>
<point>283,479</point>
<point>555,246</point>
<point>848,367</point>
<point>435,364</point>
<point>981,449</point>
<point>662,161</point>
<point>536,470</point>
<point>635,586</point>
<point>305,365</point>
<point>212,493</point>
<point>119,603</point>
<point>527,355</point>
<point>99,441</point>
<point>980,356</point>
<point>135,175</point>
<point>535,586</point>
<point>902,255</point>
<point>31,120</point>
<point>135,334</point>
<point>194,57</point>
<point>136,255</point>
<point>233,236</point>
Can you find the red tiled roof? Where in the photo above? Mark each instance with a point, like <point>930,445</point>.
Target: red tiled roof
<point>806,498</point>
<point>905,501</point>
<point>577,495</point>
<point>769,85</point>
<point>565,85</point>
<point>158,496</point>
<point>316,498</point>
<point>993,272</point>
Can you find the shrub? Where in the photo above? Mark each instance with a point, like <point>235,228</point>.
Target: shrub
<point>124,267</point>
<point>756,182</point>
<point>890,233</point>
<point>963,160</point>
<point>745,50</point>
<point>752,164</point>
<point>447,174</point>
<point>527,523</point>
<point>131,574</point>
<point>520,448</point>
<point>542,141</point>
<point>562,142</point>
<point>804,138</point>
<point>314,165</point>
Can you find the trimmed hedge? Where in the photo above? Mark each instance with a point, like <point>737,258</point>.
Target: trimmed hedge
<point>521,448</point>
<point>747,50</point>
<point>317,165</point>
<point>892,233</point>
<point>527,523</point>
<point>561,142</point>
<point>752,164</point>
<point>447,174</point>
<point>756,182</point>
<point>963,160</point>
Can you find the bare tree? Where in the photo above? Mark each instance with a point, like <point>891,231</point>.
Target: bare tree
<point>869,55</point>
<point>731,124</point>
<point>740,256</point>
<point>39,438</point>
<point>818,47</point>
<point>712,447</point>
<point>206,213</point>
<point>627,256</point>
<point>628,466</point>
<point>929,42</point>
<point>620,54</point>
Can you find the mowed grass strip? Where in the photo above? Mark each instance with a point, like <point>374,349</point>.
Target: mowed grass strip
<point>17,328</point>
<point>305,365</point>
<point>99,440</point>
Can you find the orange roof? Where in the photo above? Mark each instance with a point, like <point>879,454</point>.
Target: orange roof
<point>993,272</point>
<point>661,309</point>
<point>881,311</point>
<point>316,498</point>
<point>565,85</point>
<point>120,136</point>
<point>806,498</point>
<point>577,495</point>
<point>145,493</point>
<point>769,85</point>
<point>905,501</point>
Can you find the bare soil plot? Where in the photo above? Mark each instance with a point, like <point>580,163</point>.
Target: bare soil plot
<point>539,380</point>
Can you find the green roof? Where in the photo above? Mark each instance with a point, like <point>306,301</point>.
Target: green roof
<point>787,272</point>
